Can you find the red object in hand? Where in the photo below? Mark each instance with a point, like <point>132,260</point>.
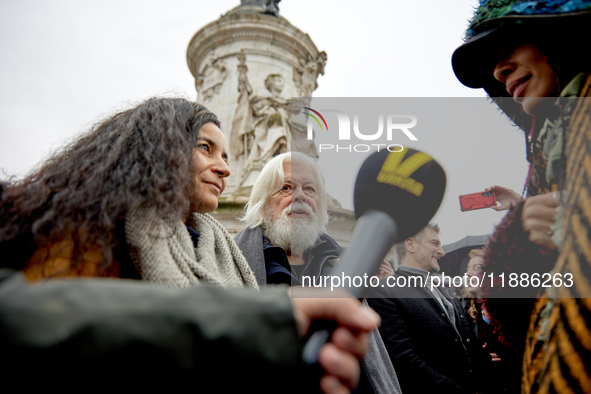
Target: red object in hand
<point>470,202</point>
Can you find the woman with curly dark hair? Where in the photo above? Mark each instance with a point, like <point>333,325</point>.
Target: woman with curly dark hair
<point>130,199</point>
<point>115,202</point>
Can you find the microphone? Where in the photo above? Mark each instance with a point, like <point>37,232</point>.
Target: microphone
<point>396,195</point>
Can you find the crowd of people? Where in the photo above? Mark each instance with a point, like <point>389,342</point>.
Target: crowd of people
<point>154,289</point>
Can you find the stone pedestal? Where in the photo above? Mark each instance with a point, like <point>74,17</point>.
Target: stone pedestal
<point>248,65</point>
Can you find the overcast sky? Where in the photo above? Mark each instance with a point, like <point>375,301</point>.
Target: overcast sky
<point>67,63</point>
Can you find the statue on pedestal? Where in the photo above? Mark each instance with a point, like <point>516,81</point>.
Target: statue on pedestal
<point>260,129</point>
<point>261,124</point>
<point>271,119</point>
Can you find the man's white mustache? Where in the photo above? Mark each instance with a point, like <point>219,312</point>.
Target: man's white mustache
<point>298,207</point>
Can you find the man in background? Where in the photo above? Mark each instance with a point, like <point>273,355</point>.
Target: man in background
<point>425,330</point>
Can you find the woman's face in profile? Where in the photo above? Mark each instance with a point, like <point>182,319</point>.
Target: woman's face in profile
<point>527,76</point>
<point>210,168</point>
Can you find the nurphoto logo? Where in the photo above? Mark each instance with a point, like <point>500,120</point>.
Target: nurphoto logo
<point>391,123</point>
<point>316,119</point>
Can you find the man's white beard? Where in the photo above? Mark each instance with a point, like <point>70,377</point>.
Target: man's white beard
<point>293,234</point>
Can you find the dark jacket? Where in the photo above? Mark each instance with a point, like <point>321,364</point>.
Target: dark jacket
<point>321,257</point>
<point>428,353</point>
<point>89,334</point>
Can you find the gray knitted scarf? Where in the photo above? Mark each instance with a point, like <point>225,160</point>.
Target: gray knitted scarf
<point>163,252</point>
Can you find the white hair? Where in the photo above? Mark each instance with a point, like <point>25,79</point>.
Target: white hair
<point>269,184</point>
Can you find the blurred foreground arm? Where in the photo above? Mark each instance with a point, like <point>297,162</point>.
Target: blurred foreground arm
<point>87,332</point>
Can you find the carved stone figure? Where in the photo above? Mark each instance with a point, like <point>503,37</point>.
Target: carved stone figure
<point>242,124</point>
<point>306,74</point>
<point>271,121</point>
<point>210,79</point>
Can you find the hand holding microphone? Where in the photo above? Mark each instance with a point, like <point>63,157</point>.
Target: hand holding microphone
<point>396,195</point>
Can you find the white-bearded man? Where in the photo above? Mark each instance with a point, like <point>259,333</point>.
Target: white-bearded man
<point>286,219</point>
<point>285,239</point>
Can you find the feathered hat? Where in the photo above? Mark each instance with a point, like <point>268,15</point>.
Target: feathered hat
<point>497,22</point>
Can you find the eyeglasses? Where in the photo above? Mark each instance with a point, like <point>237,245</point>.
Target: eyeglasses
<point>309,189</point>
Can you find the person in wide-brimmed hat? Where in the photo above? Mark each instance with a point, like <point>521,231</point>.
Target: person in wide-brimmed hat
<point>531,59</point>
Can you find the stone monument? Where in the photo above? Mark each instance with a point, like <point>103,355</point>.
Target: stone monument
<point>248,65</point>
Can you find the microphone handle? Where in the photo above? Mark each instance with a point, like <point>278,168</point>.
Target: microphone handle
<point>374,234</point>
